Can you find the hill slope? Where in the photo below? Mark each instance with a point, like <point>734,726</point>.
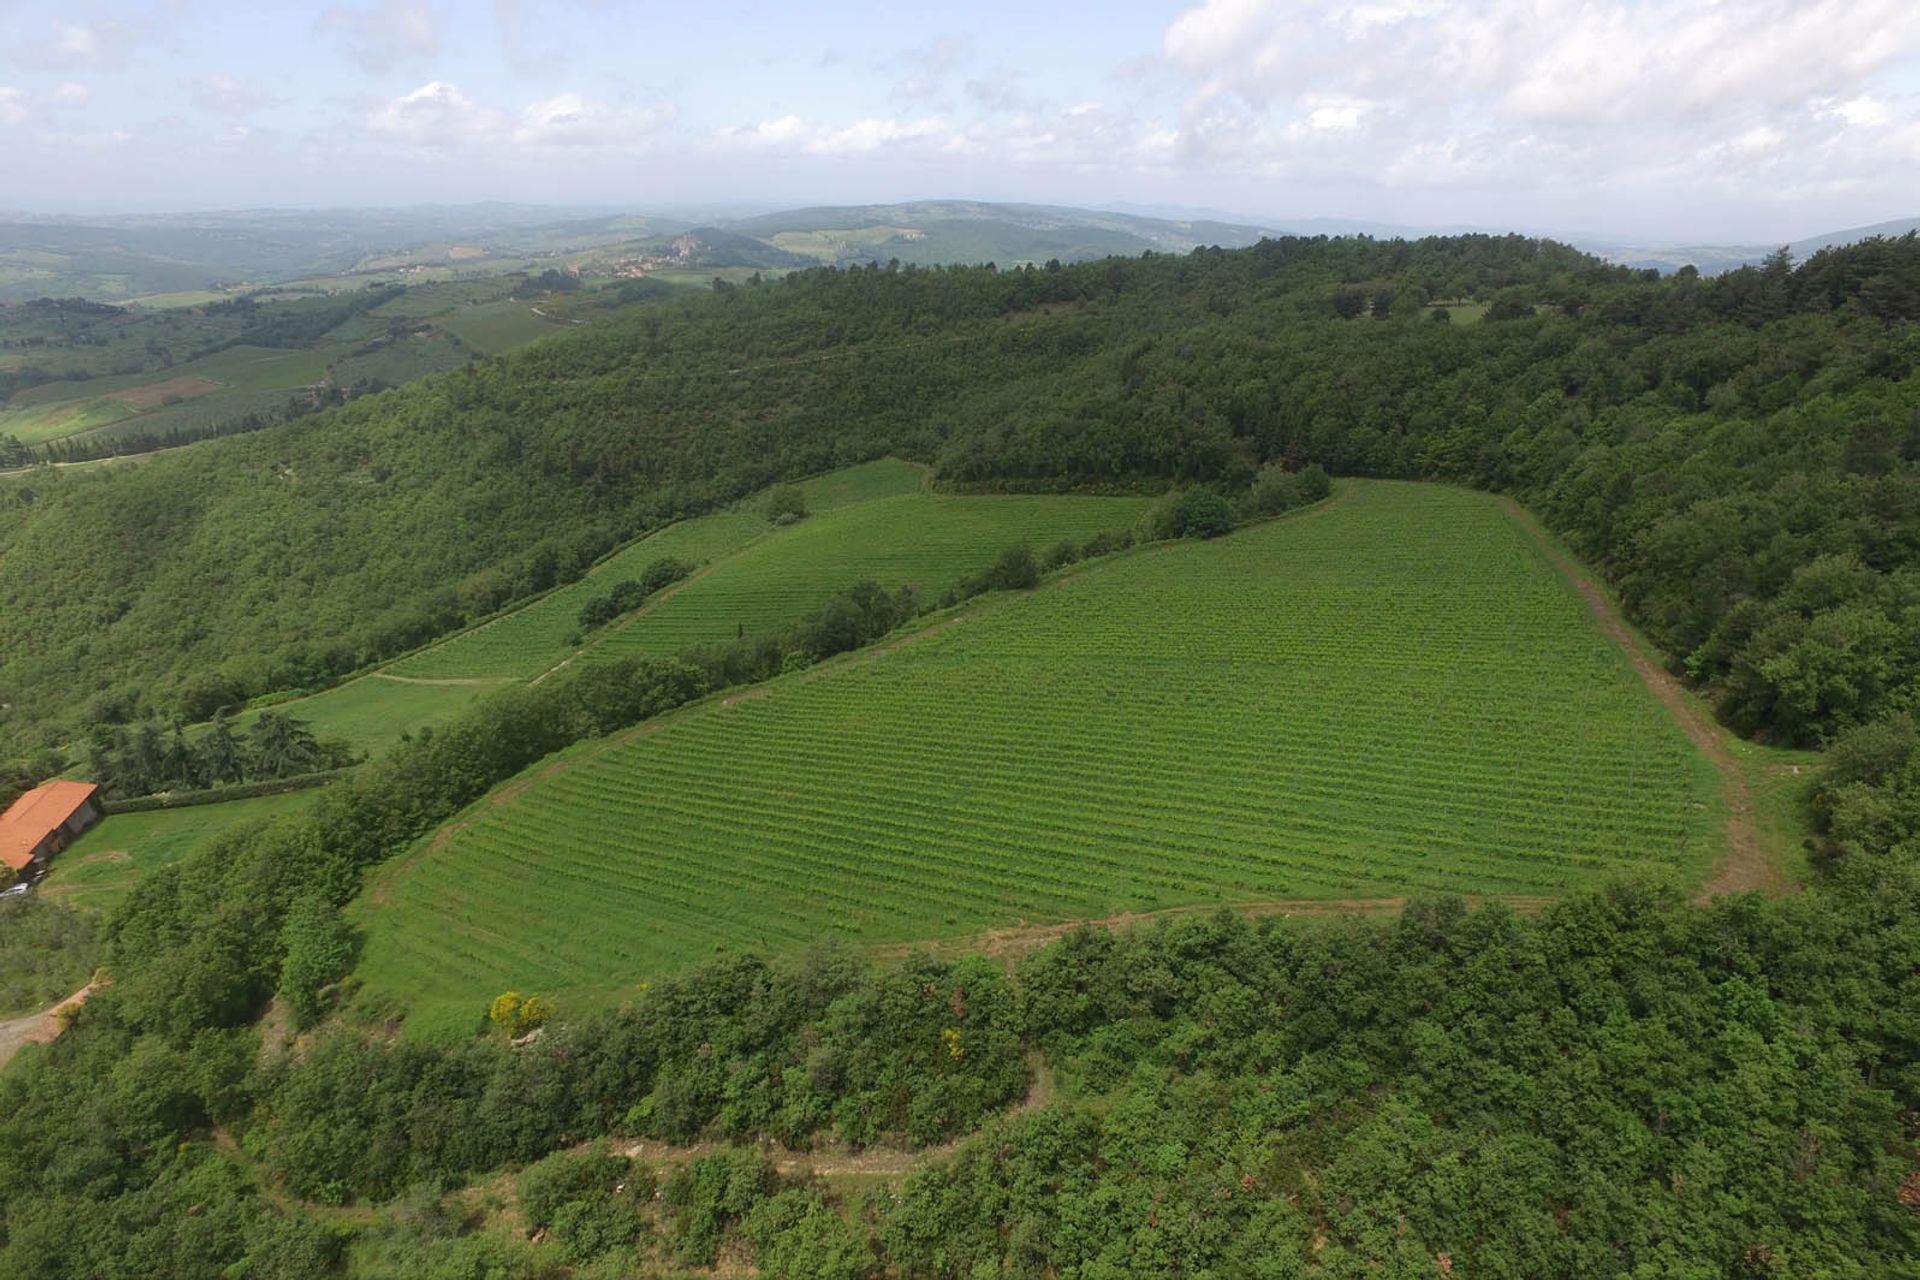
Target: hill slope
<point>1393,693</point>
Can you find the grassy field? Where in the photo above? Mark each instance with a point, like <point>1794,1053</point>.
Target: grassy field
<point>925,540</point>
<point>528,641</point>
<point>371,713</point>
<point>499,326</point>
<point>1394,692</point>
<point>872,521</point>
<point>101,866</point>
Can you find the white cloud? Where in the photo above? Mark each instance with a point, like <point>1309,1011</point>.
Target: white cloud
<point>219,94</point>
<point>13,105</point>
<point>1083,136</point>
<point>573,121</point>
<point>438,116</point>
<point>69,45</point>
<point>69,95</point>
<point>928,66</point>
<point>1535,94</point>
<point>381,38</point>
<point>1863,111</point>
<point>876,133</point>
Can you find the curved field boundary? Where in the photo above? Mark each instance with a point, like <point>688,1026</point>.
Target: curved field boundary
<point>1747,863</point>
<point>1010,943</point>
<point>1608,776</point>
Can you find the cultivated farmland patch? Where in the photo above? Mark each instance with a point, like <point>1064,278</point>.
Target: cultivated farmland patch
<point>1389,694</point>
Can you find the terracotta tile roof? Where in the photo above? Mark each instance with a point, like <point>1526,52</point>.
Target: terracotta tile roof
<point>34,815</point>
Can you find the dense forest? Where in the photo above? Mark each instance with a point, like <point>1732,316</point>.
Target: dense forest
<point>1737,454</point>
<point>1622,1084</point>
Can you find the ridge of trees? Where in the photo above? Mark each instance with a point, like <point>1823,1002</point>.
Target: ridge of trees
<point>1696,439</point>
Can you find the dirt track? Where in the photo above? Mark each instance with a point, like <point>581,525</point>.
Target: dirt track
<point>832,1160</point>
<point>1745,864</point>
<point>36,1028</point>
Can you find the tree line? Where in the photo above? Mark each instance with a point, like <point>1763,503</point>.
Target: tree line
<point>148,757</point>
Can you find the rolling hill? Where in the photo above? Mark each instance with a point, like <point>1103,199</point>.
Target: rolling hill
<point>1392,694</point>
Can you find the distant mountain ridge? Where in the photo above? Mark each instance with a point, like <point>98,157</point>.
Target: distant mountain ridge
<point>1713,259</point>
<point>128,257</point>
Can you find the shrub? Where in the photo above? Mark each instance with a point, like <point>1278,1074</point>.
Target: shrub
<point>516,1014</point>
<point>1276,489</point>
<point>630,593</point>
<point>1194,513</point>
<point>786,503</point>
<point>1015,570</point>
<point>548,1186</point>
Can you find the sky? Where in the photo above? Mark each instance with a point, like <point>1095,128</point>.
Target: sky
<point>1676,121</point>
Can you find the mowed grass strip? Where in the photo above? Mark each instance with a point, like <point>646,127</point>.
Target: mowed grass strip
<point>370,714</point>
<point>1391,693</point>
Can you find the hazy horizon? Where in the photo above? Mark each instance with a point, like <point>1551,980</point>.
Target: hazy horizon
<point>1676,121</point>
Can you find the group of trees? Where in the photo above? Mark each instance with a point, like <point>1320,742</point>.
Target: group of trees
<point>1697,439</point>
<point>630,593</point>
<point>1623,1083</point>
<point>137,760</point>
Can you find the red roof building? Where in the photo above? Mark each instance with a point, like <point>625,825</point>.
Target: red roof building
<point>41,823</point>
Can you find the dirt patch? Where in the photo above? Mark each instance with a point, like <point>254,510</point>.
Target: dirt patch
<point>1745,864</point>
<point>39,1028</point>
<point>155,394</point>
<point>105,855</point>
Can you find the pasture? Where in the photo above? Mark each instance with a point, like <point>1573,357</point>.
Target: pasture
<point>1390,693</point>
<point>492,327</point>
<point>102,865</point>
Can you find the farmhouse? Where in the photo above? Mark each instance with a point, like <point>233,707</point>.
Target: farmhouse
<point>40,823</point>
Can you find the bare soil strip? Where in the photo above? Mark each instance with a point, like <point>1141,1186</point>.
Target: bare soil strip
<point>1745,864</point>
<point>38,1028</point>
<point>833,1160</point>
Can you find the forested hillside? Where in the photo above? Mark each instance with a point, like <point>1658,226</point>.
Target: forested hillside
<point>1738,454</point>
<point>1622,1084</point>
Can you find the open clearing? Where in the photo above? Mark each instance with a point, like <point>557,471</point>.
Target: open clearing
<point>1390,693</point>
<point>370,714</point>
<point>155,394</point>
<point>98,869</point>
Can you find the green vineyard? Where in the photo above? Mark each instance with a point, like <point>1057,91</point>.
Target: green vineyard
<point>871,521</point>
<point>1392,692</point>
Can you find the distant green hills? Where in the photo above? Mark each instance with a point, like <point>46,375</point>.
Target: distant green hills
<point>174,259</point>
<point>162,257</point>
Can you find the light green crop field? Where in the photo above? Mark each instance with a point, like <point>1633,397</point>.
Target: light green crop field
<point>1391,692</point>
<point>499,326</point>
<point>924,540</point>
<point>528,641</point>
<point>102,865</point>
